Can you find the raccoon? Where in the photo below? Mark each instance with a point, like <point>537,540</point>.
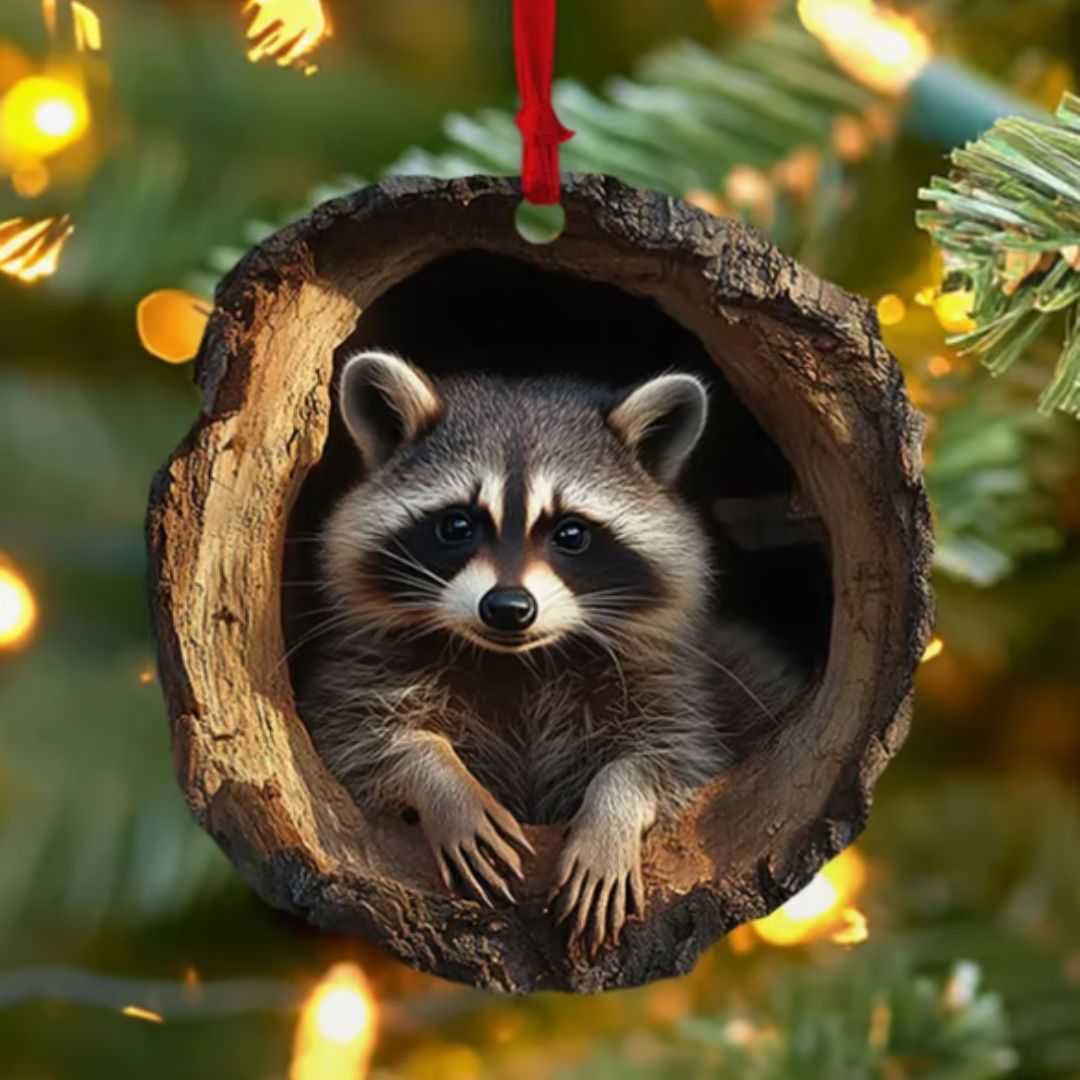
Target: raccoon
<point>522,625</point>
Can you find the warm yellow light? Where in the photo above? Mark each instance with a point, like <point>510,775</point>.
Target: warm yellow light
<point>854,928</point>
<point>939,366</point>
<point>881,48</point>
<point>823,909</point>
<point>87,28</point>
<point>85,23</point>
<point>934,647</point>
<point>953,310</point>
<point>18,609</point>
<point>336,1034</point>
<point>30,179</point>
<point>137,1012</point>
<point>342,1015</point>
<point>891,309</point>
<point>30,250</point>
<point>55,118</point>
<point>286,31</point>
<point>171,324</point>
<point>48,13</point>
<point>40,116</point>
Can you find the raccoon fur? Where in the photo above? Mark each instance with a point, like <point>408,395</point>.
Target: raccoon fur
<point>522,625</point>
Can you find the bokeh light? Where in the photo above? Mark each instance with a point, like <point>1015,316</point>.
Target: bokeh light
<point>336,1034</point>
<point>42,115</point>
<point>18,608</point>
<point>171,324</point>
<point>881,48</point>
<point>823,909</point>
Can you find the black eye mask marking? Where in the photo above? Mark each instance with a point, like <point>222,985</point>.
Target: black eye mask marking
<point>422,556</point>
<point>624,580</point>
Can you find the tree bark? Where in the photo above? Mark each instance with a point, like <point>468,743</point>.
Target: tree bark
<point>804,356</point>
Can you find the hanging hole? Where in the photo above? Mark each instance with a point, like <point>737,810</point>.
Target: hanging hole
<point>539,224</point>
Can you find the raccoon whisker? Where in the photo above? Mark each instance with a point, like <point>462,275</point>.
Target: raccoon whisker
<point>735,679</point>
<point>609,648</point>
<point>319,630</point>
<point>411,565</point>
<point>409,560</point>
<point>528,660</point>
<point>419,586</point>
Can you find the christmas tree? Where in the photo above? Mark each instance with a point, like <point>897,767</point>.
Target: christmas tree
<point>141,151</point>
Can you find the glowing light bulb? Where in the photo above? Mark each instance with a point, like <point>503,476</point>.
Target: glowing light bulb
<point>30,250</point>
<point>55,118</point>
<point>336,1034</point>
<point>953,310</point>
<point>935,647</point>
<point>343,1014</point>
<point>816,899</point>
<point>881,48</point>
<point>18,609</point>
<point>286,31</point>
<point>891,309</point>
<point>42,115</point>
<point>823,909</point>
<point>171,324</point>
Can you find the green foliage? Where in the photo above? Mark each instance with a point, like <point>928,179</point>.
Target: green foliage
<point>92,826</point>
<point>993,475</point>
<point>1008,221</point>
<point>871,1018</point>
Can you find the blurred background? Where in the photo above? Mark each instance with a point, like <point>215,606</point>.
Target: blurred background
<point>144,144</point>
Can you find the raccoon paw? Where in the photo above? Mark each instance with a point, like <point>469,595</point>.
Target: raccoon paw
<point>472,836</point>
<point>598,879</point>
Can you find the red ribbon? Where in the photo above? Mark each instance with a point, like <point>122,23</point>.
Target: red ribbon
<point>541,132</point>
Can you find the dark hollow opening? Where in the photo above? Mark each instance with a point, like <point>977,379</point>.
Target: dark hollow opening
<point>479,312</point>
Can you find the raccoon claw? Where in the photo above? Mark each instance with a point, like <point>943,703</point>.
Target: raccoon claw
<point>598,882</point>
<point>472,839</point>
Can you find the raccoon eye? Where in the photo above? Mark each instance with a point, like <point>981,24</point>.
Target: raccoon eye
<point>571,535</point>
<point>455,527</point>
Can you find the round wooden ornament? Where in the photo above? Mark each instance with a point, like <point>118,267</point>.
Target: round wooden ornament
<point>814,472</point>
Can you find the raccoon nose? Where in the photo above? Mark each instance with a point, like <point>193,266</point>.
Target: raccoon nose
<point>508,610</point>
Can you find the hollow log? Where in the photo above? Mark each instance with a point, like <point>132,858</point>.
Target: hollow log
<point>803,356</point>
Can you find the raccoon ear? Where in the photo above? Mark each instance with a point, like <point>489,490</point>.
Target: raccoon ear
<point>661,421</point>
<point>385,401</point>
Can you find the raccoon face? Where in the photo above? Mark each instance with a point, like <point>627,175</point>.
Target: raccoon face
<point>516,514</point>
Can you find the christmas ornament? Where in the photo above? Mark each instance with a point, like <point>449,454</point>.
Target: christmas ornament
<point>810,471</point>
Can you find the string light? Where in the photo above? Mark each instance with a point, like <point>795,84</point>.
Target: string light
<point>286,31</point>
<point>336,1034</point>
<point>935,647</point>
<point>170,323</point>
<point>881,48</point>
<point>137,1012</point>
<point>953,310</point>
<point>823,909</point>
<point>87,28</point>
<point>891,309</point>
<point>18,608</point>
<point>30,250</point>
<point>41,115</point>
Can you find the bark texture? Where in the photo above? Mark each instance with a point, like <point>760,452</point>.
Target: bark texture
<point>807,360</point>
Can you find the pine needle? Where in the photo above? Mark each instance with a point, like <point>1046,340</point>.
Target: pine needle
<point>1007,219</point>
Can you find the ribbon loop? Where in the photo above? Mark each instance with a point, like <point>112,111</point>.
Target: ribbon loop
<point>541,131</point>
